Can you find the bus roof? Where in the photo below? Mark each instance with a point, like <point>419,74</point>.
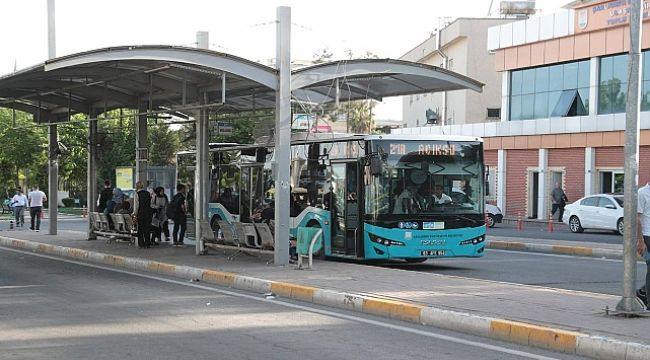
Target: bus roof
<point>423,137</point>
<point>213,146</point>
<point>310,138</point>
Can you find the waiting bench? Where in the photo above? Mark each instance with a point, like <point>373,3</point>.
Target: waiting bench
<point>121,229</point>
<point>241,237</point>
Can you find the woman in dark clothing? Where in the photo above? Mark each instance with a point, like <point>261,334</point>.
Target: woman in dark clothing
<point>180,215</point>
<point>142,211</point>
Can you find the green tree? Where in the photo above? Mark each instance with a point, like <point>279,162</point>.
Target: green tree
<point>358,113</point>
<point>163,144</point>
<point>73,168</point>
<point>23,152</point>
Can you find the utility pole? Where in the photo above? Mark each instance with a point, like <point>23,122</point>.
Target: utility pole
<point>53,148</point>
<point>282,171</point>
<point>628,303</point>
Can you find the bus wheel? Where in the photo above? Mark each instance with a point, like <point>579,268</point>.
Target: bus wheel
<point>320,254</point>
<point>415,260</point>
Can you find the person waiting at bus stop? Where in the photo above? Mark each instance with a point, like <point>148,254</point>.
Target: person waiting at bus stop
<point>142,212</point>
<point>178,212</point>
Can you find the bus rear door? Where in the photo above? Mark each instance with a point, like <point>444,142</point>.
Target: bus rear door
<point>345,215</point>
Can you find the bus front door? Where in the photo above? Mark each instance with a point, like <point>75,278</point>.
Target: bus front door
<point>345,212</point>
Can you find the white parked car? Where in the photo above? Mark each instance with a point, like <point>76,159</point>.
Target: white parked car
<point>494,215</point>
<point>601,211</point>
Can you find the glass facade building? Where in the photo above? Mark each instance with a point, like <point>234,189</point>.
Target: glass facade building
<point>550,91</point>
<point>562,90</point>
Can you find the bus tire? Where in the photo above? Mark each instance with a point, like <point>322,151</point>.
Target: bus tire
<point>415,260</point>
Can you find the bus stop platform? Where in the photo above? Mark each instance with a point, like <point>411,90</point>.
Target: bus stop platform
<point>568,321</point>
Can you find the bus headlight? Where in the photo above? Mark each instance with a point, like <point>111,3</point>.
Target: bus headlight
<point>474,241</point>
<point>386,242</point>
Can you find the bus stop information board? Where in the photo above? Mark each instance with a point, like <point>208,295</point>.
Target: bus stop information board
<point>124,177</point>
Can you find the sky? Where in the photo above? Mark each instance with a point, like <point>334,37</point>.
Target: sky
<point>243,28</point>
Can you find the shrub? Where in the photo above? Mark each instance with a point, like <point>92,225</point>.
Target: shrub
<point>68,202</point>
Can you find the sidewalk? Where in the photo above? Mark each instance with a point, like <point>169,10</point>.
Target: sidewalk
<point>568,321</point>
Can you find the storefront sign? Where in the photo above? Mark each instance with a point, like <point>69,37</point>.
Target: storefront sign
<point>605,14</point>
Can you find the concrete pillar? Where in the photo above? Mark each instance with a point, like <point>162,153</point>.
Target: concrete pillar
<point>282,135</point>
<point>542,196</point>
<point>53,179</point>
<point>505,96</point>
<point>201,178</point>
<point>590,170</point>
<point>594,67</point>
<point>91,191</point>
<point>501,180</point>
<point>141,150</point>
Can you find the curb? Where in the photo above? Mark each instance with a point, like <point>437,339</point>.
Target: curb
<point>555,249</point>
<point>522,333</point>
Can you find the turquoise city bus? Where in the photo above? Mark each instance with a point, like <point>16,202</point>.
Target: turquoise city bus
<point>411,197</point>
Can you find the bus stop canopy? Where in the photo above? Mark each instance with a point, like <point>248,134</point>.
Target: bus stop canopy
<point>373,79</point>
<point>173,79</point>
<point>162,78</point>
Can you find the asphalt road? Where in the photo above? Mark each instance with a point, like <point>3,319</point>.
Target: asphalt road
<point>548,270</point>
<point>51,309</point>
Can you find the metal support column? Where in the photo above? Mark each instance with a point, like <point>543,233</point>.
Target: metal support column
<point>141,150</point>
<point>628,302</point>
<point>53,148</point>
<point>53,179</point>
<point>51,30</point>
<point>91,191</point>
<point>201,177</point>
<point>282,135</point>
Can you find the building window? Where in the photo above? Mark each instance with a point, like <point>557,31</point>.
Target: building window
<point>611,181</point>
<point>491,182</point>
<point>645,87</point>
<point>612,90</point>
<point>557,90</point>
<point>494,113</point>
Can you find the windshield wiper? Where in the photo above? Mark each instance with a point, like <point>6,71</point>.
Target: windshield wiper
<point>466,218</point>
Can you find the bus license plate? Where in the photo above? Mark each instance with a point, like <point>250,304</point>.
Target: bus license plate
<point>432,253</point>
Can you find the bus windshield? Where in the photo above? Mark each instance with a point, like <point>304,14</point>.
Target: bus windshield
<point>425,178</point>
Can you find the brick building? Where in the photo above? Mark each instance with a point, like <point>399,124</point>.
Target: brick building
<point>564,89</point>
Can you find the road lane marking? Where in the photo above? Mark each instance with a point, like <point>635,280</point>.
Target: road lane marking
<point>301,307</point>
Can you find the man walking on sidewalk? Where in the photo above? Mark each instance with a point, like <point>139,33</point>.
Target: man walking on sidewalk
<point>559,201</point>
<point>643,228</point>
<point>36,198</point>
<point>18,203</point>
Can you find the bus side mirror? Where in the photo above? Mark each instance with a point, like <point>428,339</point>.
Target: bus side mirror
<point>376,165</point>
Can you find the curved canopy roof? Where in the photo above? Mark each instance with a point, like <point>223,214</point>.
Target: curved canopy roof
<point>153,77</point>
<point>374,79</point>
<point>176,79</point>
